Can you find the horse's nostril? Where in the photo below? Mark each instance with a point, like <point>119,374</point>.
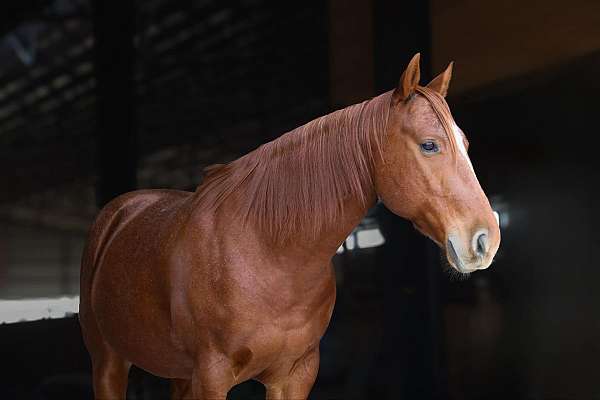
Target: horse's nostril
<point>481,244</point>
<point>453,255</point>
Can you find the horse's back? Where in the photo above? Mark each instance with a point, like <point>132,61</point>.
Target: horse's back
<point>121,266</point>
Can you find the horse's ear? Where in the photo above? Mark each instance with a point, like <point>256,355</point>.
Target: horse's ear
<point>441,82</point>
<point>409,80</point>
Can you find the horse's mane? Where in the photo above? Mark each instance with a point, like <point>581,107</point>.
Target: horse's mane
<point>297,183</point>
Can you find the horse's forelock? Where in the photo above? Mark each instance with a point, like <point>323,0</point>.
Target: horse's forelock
<point>442,111</point>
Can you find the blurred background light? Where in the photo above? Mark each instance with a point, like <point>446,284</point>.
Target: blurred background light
<point>26,310</point>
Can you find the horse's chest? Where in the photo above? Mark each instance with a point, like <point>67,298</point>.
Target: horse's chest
<point>289,333</point>
<point>260,315</point>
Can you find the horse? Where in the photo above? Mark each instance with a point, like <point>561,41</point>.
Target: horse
<point>234,281</point>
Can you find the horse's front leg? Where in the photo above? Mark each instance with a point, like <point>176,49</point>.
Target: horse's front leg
<point>181,389</point>
<point>297,385</point>
<point>212,379</point>
<point>109,373</point>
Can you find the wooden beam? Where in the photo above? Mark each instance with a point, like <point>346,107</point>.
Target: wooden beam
<point>351,51</point>
<point>413,331</point>
<point>115,121</point>
<point>495,41</point>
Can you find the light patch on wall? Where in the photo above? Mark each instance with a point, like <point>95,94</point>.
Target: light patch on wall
<point>369,238</point>
<point>24,310</point>
<point>362,239</point>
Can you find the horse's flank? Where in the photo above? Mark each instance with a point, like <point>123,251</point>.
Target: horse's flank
<point>296,185</point>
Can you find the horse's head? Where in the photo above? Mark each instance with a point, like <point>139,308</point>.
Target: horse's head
<point>427,177</point>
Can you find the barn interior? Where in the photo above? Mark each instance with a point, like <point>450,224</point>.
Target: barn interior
<point>100,98</point>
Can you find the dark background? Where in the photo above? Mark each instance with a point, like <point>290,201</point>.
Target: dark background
<point>103,97</point>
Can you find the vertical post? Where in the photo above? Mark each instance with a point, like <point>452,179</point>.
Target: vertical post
<point>352,80</point>
<point>412,365</point>
<point>351,51</point>
<point>64,264</point>
<point>115,120</point>
<point>402,28</point>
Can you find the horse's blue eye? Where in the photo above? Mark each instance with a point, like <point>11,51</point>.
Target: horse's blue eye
<point>429,147</point>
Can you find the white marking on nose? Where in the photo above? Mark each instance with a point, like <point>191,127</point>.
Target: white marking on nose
<point>461,145</point>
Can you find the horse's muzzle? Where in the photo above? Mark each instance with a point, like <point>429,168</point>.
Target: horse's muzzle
<point>469,255</point>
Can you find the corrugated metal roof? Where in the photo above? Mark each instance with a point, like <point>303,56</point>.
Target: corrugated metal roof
<point>213,80</point>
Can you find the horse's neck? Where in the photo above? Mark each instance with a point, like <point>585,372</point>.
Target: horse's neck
<point>309,187</point>
<point>317,251</point>
<point>355,203</point>
<point>333,236</point>
<point>329,235</point>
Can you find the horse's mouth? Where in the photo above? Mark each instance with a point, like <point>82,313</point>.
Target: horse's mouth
<point>423,232</point>
<point>459,264</point>
<point>453,256</point>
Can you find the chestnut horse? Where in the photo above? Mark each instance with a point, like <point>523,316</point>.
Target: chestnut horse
<point>235,282</point>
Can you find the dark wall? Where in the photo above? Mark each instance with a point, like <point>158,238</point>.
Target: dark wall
<point>524,329</point>
<point>44,360</point>
<point>532,322</point>
<point>411,361</point>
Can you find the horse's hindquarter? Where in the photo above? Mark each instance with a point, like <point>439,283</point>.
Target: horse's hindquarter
<point>127,284</point>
